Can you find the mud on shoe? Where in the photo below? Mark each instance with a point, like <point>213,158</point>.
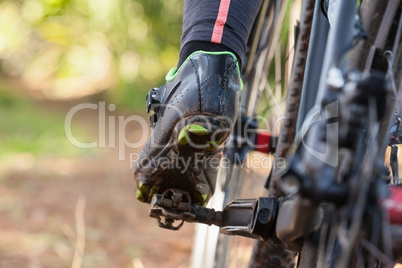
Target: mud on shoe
<point>194,113</point>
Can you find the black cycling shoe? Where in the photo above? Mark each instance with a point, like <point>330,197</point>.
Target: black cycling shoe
<point>194,114</point>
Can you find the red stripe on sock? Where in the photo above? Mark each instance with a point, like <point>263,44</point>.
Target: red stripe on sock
<point>220,21</point>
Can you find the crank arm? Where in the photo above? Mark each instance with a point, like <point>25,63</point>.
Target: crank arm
<point>254,218</point>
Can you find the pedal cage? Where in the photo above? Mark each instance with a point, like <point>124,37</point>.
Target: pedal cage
<point>173,205</point>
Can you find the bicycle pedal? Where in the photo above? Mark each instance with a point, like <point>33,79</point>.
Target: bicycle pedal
<point>175,205</point>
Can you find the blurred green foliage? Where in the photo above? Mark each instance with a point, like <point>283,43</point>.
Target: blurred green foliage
<point>68,49</point>
<point>26,129</point>
<point>63,49</point>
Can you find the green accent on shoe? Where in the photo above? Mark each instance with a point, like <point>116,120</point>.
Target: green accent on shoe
<point>200,199</point>
<point>140,196</point>
<point>194,129</point>
<point>171,74</point>
<point>197,130</point>
<point>213,144</point>
<point>154,190</point>
<point>143,188</point>
<point>204,197</point>
<point>182,137</point>
<point>174,71</point>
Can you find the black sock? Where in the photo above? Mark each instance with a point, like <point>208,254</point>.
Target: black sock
<point>194,46</point>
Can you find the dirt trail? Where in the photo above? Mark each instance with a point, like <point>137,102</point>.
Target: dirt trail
<point>38,224</point>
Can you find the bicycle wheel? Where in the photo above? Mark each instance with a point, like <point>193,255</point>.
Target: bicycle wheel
<point>357,233</point>
<point>270,48</point>
<point>266,254</point>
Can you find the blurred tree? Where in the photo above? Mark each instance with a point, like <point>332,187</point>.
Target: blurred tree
<point>63,49</point>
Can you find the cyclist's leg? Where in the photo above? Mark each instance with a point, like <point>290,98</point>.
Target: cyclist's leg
<point>196,109</point>
<point>212,25</point>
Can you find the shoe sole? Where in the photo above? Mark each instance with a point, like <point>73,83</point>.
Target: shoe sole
<point>200,134</point>
<point>194,139</point>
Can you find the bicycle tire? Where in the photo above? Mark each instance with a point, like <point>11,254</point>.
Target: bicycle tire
<point>310,255</point>
<point>266,254</point>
